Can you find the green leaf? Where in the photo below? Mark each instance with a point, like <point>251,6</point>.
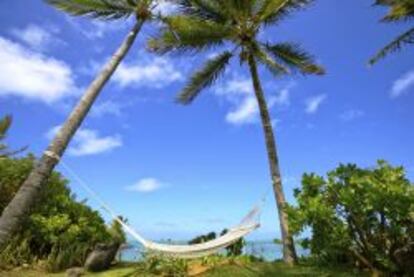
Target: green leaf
<point>188,33</point>
<point>204,77</point>
<point>395,45</point>
<point>101,9</point>
<point>295,58</point>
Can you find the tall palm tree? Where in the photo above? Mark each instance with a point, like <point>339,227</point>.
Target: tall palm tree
<point>205,24</point>
<point>400,11</point>
<point>29,192</point>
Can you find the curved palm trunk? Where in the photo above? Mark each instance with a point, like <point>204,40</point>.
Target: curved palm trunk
<point>289,252</point>
<point>29,192</point>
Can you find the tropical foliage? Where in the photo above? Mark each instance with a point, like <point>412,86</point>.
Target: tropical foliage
<point>399,11</point>
<point>235,25</point>
<point>60,230</point>
<point>358,215</point>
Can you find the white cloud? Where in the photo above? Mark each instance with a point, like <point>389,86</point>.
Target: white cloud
<point>164,7</point>
<point>106,108</point>
<point>246,112</point>
<point>95,29</point>
<point>283,96</point>
<point>157,73</point>
<point>402,85</point>
<point>239,92</point>
<point>313,103</point>
<point>350,115</point>
<point>88,142</point>
<point>34,76</point>
<point>146,185</point>
<point>36,37</point>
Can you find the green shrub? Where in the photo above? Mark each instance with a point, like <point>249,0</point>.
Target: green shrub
<point>161,265</point>
<point>59,230</point>
<point>363,216</point>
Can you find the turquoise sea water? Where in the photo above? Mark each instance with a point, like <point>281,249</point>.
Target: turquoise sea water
<point>265,249</point>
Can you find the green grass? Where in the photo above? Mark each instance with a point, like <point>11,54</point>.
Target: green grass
<point>253,270</point>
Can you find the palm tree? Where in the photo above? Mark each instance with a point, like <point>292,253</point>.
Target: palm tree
<point>206,24</point>
<point>29,192</point>
<point>400,11</point>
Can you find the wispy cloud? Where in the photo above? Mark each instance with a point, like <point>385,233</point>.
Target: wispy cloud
<point>239,93</point>
<point>157,73</point>
<point>352,114</point>
<point>165,7</point>
<point>283,95</point>
<point>313,103</point>
<point>146,185</point>
<point>89,142</point>
<point>95,29</point>
<point>403,85</point>
<point>246,112</point>
<point>37,37</point>
<point>106,108</point>
<point>32,75</point>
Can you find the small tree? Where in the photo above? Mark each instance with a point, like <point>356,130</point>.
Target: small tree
<point>235,249</point>
<point>358,215</point>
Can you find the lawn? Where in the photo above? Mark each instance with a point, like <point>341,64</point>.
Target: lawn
<point>254,269</point>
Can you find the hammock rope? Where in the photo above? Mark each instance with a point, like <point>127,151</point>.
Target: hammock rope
<point>247,225</point>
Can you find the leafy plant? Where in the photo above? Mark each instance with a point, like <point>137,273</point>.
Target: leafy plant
<point>358,215</point>
<point>156,265</point>
<point>60,229</point>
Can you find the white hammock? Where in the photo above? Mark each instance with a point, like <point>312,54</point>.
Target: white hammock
<point>249,223</point>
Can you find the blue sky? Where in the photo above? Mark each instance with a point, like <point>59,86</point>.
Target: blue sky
<point>176,171</point>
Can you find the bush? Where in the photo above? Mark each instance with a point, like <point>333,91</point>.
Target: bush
<point>161,265</point>
<point>363,216</point>
<point>59,230</point>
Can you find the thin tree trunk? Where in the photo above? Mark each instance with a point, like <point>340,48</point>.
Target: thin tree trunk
<point>289,252</point>
<point>27,196</point>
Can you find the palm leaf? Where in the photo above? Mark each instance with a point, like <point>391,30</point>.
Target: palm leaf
<point>102,9</point>
<point>273,66</point>
<point>272,11</point>
<point>204,77</point>
<point>203,9</point>
<point>399,10</point>
<point>395,45</point>
<point>294,57</point>
<point>188,33</point>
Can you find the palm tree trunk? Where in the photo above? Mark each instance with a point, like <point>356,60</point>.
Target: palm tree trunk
<point>289,252</point>
<point>28,194</point>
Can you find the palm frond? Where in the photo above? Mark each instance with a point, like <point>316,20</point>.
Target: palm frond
<point>272,11</point>
<point>271,64</point>
<point>400,10</point>
<point>188,33</point>
<point>101,9</point>
<point>395,45</point>
<point>204,77</point>
<point>293,56</point>
<point>204,9</point>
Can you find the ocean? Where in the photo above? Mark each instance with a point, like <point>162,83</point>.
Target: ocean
<point>268,250</point>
